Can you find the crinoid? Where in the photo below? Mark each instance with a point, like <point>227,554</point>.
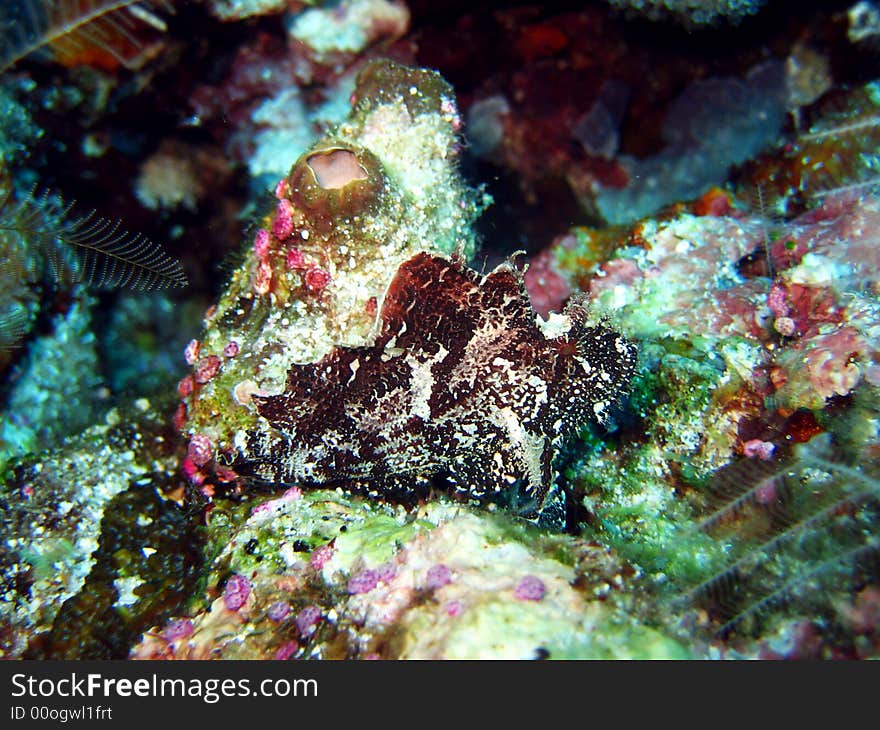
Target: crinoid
<point>104,32</point>
<point>87,249</point>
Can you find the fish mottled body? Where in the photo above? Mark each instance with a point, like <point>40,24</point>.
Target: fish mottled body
<point>461,381</point>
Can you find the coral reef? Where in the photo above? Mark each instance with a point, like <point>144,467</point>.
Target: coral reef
<point>375,191</point>
<point>755,334</point>
<point>322,575</point>
<point>53,397</point>
<point>836,152</point>
<point>377,446</point>
<point>348,27</point>
<point>93,552</point>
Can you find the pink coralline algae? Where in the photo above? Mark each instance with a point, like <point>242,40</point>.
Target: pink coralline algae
<point>529,588</point>
<point>437,576</point>
<point>224,474</point>
<point>454,609</point>
<point>282,227</point>
<point>200,450</point>
<point>307,619</point>
<point>262,244</point>
<point>547,288</point>
<point>317,279</point>
<point>278,611</point>
<point>831,362</point>
<point>295,259</point>
<point>192,472</point>
<point>207,368</point>
<point>263,278</point>
<point>286,650</point>
<point>178,421</point>
<point>815,320</point>
<point>363,582</point>
<point>185,386</point>
<point>273,505</point>
<point>386,572</point>
<point>191,352</point>
<point>176,629</point>
<point>757,449</point>
<point>320,556</point>
<point>236,592</point>
<point>777,300</point>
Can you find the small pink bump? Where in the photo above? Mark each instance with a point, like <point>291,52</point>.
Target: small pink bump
<point>758,449</point>
<point>295,259</point>
<point>278,611</point>
<point>263,278</point>
<point>282,227</point>
<point>286,650</point>
<point>185,386</point>
<point>230,349</point>
<point>437,576</point>
<point>177,628</point>
<point>225,475</point>
<point>386,572</point>
<point>777,300</point>
<point>179,420</point>
<point>282,188</point>
<point>191,352</point>
<point>207,368</point>
<point>200,450</point>
<point>363,582</point>
<point>317,279</point>
<point>321,556</point>
<point>192,473</point>
<point>454,609</point>
<point>785,326</point>
<point>262,244</point>
<point>236,592</point>
<point>529,588</point>
<point>307,619</point>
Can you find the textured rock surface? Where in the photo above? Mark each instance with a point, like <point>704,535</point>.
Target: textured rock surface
<point>329,576</point>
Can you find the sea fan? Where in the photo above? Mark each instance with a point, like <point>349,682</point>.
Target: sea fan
<point>103,32</point>
<point>88,249</point>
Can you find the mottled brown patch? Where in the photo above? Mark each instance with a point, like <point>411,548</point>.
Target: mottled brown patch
<point>460,381</point>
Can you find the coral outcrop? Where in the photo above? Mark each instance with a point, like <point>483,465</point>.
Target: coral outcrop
<point>375,191</point>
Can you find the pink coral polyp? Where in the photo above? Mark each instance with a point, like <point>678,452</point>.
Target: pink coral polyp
<point>200,449</point>
<point>207,368</point>
<point>317,280</point>
<point>262,243</point>
<point>236,592</point>
<point>282,228</point>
